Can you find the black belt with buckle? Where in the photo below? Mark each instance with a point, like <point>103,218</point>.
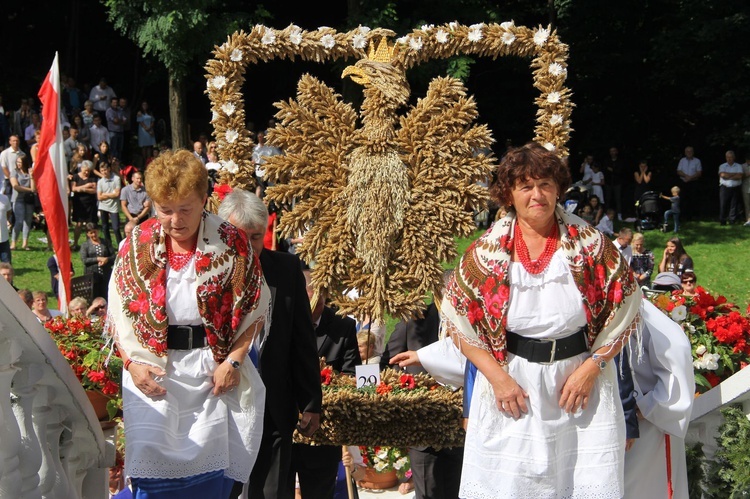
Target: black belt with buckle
<point>547,351</point>
<point>186,337</point>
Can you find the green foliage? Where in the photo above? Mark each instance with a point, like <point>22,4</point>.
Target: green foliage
<point>695,457</point>
<point>459,67</point>
<point>178,34</point>
<point>729,472</point>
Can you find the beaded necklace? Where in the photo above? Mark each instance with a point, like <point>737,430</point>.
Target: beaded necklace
<point>522,252</point>
<point>178,261</point>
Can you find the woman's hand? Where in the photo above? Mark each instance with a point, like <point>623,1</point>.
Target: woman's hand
<point>226,378</point>
<point>575,392</point>
<point>102,260</point>
<point>143,377</point>
<point>509,396</point>
<point>403,359</point>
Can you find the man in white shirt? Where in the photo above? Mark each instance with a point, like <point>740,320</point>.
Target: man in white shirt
<point>8,159</point>
<point>99,133</point>
<point>689,169</point>
<point>100,96</point>
<point>622,243</point>
<point>730,192</point>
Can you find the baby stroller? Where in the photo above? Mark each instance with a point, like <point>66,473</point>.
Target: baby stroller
<point>575,197</point>
<point>647,211</point>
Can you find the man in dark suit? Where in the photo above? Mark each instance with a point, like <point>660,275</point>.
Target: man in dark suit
<point>436,474</point>
<point>336,336</point>
<point>286,358</point>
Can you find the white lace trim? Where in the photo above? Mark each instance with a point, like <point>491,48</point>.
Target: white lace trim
<point>557,271</point>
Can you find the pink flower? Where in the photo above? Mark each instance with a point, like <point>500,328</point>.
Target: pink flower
<point>495,306</point>
<point>139,306</point>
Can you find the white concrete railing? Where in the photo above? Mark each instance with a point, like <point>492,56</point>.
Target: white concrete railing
<point>706,416</point>
<point>51,444</point>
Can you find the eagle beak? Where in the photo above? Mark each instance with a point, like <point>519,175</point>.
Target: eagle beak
<point>356,74</point>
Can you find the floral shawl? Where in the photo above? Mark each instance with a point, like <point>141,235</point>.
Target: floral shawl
<point>477,298</point>
<point>231,291</point>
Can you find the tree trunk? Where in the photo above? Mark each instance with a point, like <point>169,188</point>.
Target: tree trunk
<point>178,112</point>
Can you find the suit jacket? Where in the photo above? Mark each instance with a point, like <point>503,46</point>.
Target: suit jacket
<point>288,360</point>
<point>413,335</point>
<point>337,341</point>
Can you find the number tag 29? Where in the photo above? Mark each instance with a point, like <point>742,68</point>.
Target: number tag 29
<point>368,375</point>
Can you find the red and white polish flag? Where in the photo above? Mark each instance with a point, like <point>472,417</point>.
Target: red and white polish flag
<point>51,177</point>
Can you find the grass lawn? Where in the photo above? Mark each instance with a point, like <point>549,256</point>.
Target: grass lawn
<point>721,256</point>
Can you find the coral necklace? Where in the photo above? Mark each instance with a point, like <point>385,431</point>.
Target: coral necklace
<point>178,261</point>
<point>522,252</point>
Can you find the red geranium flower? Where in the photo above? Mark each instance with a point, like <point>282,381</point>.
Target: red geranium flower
<point>406,381</point>
<point>326,374</point>
<point>222,190</point>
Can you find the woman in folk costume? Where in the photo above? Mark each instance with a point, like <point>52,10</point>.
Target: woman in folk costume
<point>185,301</point>
<point>664,390</point>
<point>541,304</point>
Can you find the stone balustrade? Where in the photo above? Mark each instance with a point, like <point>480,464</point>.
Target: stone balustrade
<point>51,443</point>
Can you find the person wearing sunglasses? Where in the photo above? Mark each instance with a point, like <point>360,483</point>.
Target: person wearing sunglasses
<point>689,283</point>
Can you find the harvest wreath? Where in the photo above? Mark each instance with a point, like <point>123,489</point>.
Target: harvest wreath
<point>379,199</point>
<point>404,410</point>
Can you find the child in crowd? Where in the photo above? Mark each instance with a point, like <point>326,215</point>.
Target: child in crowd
<point>597,182</point>
<point>587,213</point>
<point>606,224</point>
<point>674,210</point>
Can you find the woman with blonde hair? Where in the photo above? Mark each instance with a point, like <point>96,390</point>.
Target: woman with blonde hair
<point>184,318</point>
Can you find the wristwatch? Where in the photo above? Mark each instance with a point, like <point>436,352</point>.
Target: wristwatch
<point>599,361</point>
<point>234,363</point>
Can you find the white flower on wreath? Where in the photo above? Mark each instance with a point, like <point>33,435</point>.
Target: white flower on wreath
<point>236,55</point>
<point>427,27</point>
<point>218,82</point>
<point>453,25</point>
<point>295,35</point>
<point>214,116</point>
<point>553,97</point>
<point>359,41</point>
<point>679,313</point>
<point>549,146</point>
<point>228,108</point>
<point>700,350</point>
<point>475,32</point>
<point>508,25</point>
<point>508,38</point>
<point>229,166</point>
<point>556,119</point>
<point>269,37</point>
<point>541,36</point>
<point>416,43</point>
<point>231,136</point>
<point>328,41</point>
<point>557,69</point>
<point>363,30</point>
<point>441,36</point>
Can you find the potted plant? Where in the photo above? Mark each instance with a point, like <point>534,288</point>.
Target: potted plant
<point>719,334</point>
<point>385,465</point>
<point>89,353</point>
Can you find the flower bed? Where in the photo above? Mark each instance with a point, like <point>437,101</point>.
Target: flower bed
<point>404,410</point>
<point>81,342</point>
<point>719,334</point>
